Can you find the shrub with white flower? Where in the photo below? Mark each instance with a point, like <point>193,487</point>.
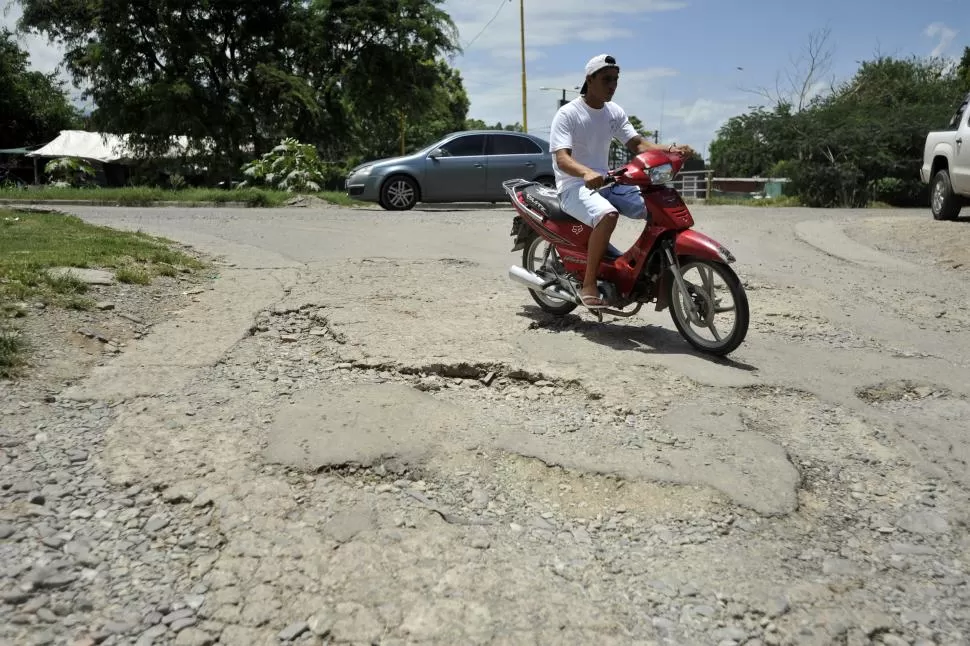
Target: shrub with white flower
<point>290,166</point>
<point>69,171</point>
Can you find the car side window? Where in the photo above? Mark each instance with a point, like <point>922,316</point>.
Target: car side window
<point>467,146</point>
<point>511,145</point>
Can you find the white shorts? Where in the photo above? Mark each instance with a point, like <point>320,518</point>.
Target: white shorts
<point>589,207</point>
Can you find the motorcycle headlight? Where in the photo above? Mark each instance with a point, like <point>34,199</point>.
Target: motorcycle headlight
<point>662,174</point>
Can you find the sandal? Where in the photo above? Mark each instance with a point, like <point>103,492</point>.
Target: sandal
<point>593,302</point>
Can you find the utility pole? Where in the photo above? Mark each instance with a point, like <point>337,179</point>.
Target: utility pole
<point>525,116</point>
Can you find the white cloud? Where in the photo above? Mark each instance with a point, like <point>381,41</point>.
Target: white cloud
<point>547,22</point>
<point>944,36</point>
<point>697,122</point>
<point>703,112</point>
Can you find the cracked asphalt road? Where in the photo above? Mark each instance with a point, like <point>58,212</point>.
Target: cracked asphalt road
<point>369,404</point>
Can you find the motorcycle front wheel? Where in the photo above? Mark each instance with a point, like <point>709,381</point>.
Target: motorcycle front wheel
<point>703,314</point>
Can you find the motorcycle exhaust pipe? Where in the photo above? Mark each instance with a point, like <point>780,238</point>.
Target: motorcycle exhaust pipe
<point>529,279</point>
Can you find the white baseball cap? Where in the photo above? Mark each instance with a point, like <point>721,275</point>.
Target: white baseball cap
<point>595,64</point>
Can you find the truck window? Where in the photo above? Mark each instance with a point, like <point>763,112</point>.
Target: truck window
<point>958,115</point>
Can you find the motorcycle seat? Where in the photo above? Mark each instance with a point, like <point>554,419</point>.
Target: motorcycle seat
<point>546,201</point>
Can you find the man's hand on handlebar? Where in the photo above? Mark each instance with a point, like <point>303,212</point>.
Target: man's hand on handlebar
<point>684,150</point>
<point>594,180</point>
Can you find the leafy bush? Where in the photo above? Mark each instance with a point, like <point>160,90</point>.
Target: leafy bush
<point>290,166</point>
<point>898,191</point>
<point>71,171</point>
<point>827,185</point>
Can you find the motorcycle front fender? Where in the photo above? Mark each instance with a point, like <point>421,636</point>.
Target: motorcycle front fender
<point>697,245</point>
<point>692,244</point>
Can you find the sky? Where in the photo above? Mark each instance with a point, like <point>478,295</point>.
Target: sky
<point>686,66</point>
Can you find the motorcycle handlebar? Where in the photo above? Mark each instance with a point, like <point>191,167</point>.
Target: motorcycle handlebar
<point>612,176</point>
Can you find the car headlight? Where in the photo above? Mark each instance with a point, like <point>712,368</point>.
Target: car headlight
<point>662,174</point>
<point>363,171</point>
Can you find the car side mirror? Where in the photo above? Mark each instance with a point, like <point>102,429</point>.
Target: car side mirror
<point>438,152</point>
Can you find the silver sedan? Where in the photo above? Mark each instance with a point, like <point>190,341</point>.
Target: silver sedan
<point>467,166</point>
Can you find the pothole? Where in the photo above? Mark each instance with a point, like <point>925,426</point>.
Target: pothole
<point>902,390</point>
<point>292,325</point>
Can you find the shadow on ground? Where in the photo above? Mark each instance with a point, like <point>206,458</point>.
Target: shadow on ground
<point>645,338</point>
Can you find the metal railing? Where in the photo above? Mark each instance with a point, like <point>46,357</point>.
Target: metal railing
<point>693,184</point>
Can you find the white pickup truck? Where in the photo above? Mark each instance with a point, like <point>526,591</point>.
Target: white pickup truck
<point>946,165</point>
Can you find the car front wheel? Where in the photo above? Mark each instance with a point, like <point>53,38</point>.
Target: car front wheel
<point>399,193</point>
<point>944,204</point>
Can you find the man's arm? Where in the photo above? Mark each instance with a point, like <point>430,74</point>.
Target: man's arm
<point>568,165</point>
<point>638,144</point>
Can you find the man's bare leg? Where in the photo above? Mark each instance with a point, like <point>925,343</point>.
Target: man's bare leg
<point>599,239</point>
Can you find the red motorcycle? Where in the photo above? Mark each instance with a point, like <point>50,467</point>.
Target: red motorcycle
<point>670,263</point>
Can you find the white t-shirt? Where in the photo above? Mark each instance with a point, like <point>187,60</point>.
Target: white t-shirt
<point>588,133</point>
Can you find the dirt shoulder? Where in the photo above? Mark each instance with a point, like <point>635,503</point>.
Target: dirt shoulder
<point>917,238</point>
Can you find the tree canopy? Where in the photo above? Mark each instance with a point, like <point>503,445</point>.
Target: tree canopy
<point>861,142</point>
<point>338,74</point>
<point>33,105</point>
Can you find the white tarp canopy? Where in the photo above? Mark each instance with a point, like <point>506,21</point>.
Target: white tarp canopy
<point>99,146</point>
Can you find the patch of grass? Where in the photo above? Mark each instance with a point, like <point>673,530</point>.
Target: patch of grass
<point>143,195</point>
<point>32,243</point>
<point>340,199</point>
<point>79,303</point>
<point>783,201</point>
<point>165,269</point>
<point>12,350</point>
<point>133,276</point>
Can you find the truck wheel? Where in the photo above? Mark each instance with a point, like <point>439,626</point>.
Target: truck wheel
<point>943,203</point>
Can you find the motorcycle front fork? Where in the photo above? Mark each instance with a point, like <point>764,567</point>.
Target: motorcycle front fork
<point>674,267</point>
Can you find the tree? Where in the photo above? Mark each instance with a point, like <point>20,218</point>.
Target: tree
<point>444,108</point>
<point>750,145</point>
<point>963,70</point>
<point>478,124</point>
<point>33,105</point>
<point>861,142</point>
<point>237,76</point>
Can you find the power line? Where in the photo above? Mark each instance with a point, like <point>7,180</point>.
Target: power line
<point>497,12</point>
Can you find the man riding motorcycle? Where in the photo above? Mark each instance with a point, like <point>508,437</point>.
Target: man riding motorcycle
<point>580,142</point>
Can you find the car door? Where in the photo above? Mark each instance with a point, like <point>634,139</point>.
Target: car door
<point>456,171</point>
<point>510,156</point>
<point>960,172</point>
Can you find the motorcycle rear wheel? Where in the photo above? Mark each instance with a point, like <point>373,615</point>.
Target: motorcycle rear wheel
<point>532,259</point>
<point>698,309</point>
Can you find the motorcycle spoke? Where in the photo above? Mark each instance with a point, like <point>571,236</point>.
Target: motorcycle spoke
<point>713,329</point>
<point>707,277</point>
